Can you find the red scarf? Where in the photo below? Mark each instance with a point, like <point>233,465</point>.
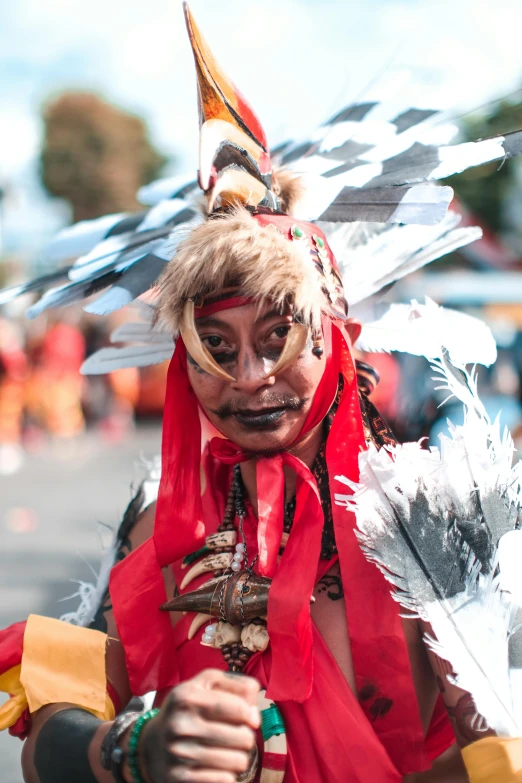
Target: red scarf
<point>289,621</point>
<point>379,650</point>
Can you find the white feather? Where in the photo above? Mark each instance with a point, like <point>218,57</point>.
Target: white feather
<point>141,332</point>
<point>81,237</point>
<point>165,188</point>
<point>110,359</point>
<point>424,329</point>
<point>417,513</point>
<point>372,255</point>
<point>161,213</point>
<point>92,595</point>
<point>365,132</point>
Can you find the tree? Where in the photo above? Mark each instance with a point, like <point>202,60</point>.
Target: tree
<point>95,155</point>
<point>493,192</point>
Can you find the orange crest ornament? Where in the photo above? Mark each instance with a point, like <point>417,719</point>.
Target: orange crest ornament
<point>234,162</point>
<point>279,260</point>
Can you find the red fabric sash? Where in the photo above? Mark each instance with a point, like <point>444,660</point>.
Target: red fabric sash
<point>378,647</point>
<point>179,499</point>
<point>289,622</point>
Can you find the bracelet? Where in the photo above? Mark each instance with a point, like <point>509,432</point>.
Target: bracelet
<point>112,757</point>
<point>134,741</point>
<point>251,772</point>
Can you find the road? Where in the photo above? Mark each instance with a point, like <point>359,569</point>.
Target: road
<point>49,531</point>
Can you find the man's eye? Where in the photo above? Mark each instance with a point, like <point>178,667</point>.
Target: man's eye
<point>281,332</point>
<point>213,341</point>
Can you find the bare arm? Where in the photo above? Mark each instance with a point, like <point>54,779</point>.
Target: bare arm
<point>204,732</point>
<point>467,724</point>
<point>115,667</point>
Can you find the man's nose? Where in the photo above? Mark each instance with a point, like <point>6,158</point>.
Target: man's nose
<point>250,372</point>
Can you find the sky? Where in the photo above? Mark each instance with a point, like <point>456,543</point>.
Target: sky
<point>297,61</point>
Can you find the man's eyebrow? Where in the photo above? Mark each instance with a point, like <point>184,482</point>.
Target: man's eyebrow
<point>217,323</point>
<point>275,313</point>
<point>208,320</point>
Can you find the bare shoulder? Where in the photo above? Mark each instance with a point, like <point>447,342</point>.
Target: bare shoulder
<point>144,526</point>
<point>136,527</point>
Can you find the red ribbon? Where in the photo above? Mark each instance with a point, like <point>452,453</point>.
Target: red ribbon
<point>378,648</point>
<point>289,621</point>
<point>179,527</point>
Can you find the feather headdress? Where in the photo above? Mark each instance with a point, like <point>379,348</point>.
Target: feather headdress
<point>367,188</point>
<point>436,523</point>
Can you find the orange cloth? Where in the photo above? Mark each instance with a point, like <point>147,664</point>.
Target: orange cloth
<point>60,663</point>
<point>494,760</point>
<point>13,707</point>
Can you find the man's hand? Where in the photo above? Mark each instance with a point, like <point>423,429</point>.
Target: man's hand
<point>205,730</point>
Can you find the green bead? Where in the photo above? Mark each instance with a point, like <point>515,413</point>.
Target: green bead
<point>134,741</point>
<point>319,242</point>
<point>189,559</point>
<point>272,722</point>
<point>297,232</point>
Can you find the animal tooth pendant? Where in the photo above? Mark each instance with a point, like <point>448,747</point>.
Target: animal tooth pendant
<point>221,539</point>
<point>197,622</point>
<point>237,598</point>
<point>215,562</point>
<point>225,539</point>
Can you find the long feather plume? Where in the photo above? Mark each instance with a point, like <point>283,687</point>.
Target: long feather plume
<point>433,521</point>
<point>422,330</point>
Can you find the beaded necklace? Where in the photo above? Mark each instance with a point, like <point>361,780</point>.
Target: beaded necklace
<point>238,644</point>
<point>227,557</point>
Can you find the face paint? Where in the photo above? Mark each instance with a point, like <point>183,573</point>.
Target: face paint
<point>258,411</point>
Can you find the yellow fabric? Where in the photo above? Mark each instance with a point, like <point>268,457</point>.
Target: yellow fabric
<point>494,760</point>
<point>13,708</point>
<point>64,663</point>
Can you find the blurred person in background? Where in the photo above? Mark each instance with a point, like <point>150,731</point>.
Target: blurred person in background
<point>55,386</point>
<point>13,380</point>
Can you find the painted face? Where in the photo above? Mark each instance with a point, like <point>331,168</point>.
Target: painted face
<point>255,412</point>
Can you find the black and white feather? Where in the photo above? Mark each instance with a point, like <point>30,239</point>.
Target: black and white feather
<point>358,167</point>
<point>436,523</point>
<point>372,256</point>
<point>135,344</point>
<point>372,191</point>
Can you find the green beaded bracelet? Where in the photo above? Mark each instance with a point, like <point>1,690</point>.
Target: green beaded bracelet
<point>134,741</point>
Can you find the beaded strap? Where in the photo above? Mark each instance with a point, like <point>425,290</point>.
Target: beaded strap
<point>272,723</point>
<point>112,757</point>
<point>134,742</point>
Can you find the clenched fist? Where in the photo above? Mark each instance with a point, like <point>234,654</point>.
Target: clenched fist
<point>204,732</point>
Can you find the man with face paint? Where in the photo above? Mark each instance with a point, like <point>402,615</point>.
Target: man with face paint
<point>241,598</point>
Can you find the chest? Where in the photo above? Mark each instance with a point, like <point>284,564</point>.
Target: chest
<point>329,615</point>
